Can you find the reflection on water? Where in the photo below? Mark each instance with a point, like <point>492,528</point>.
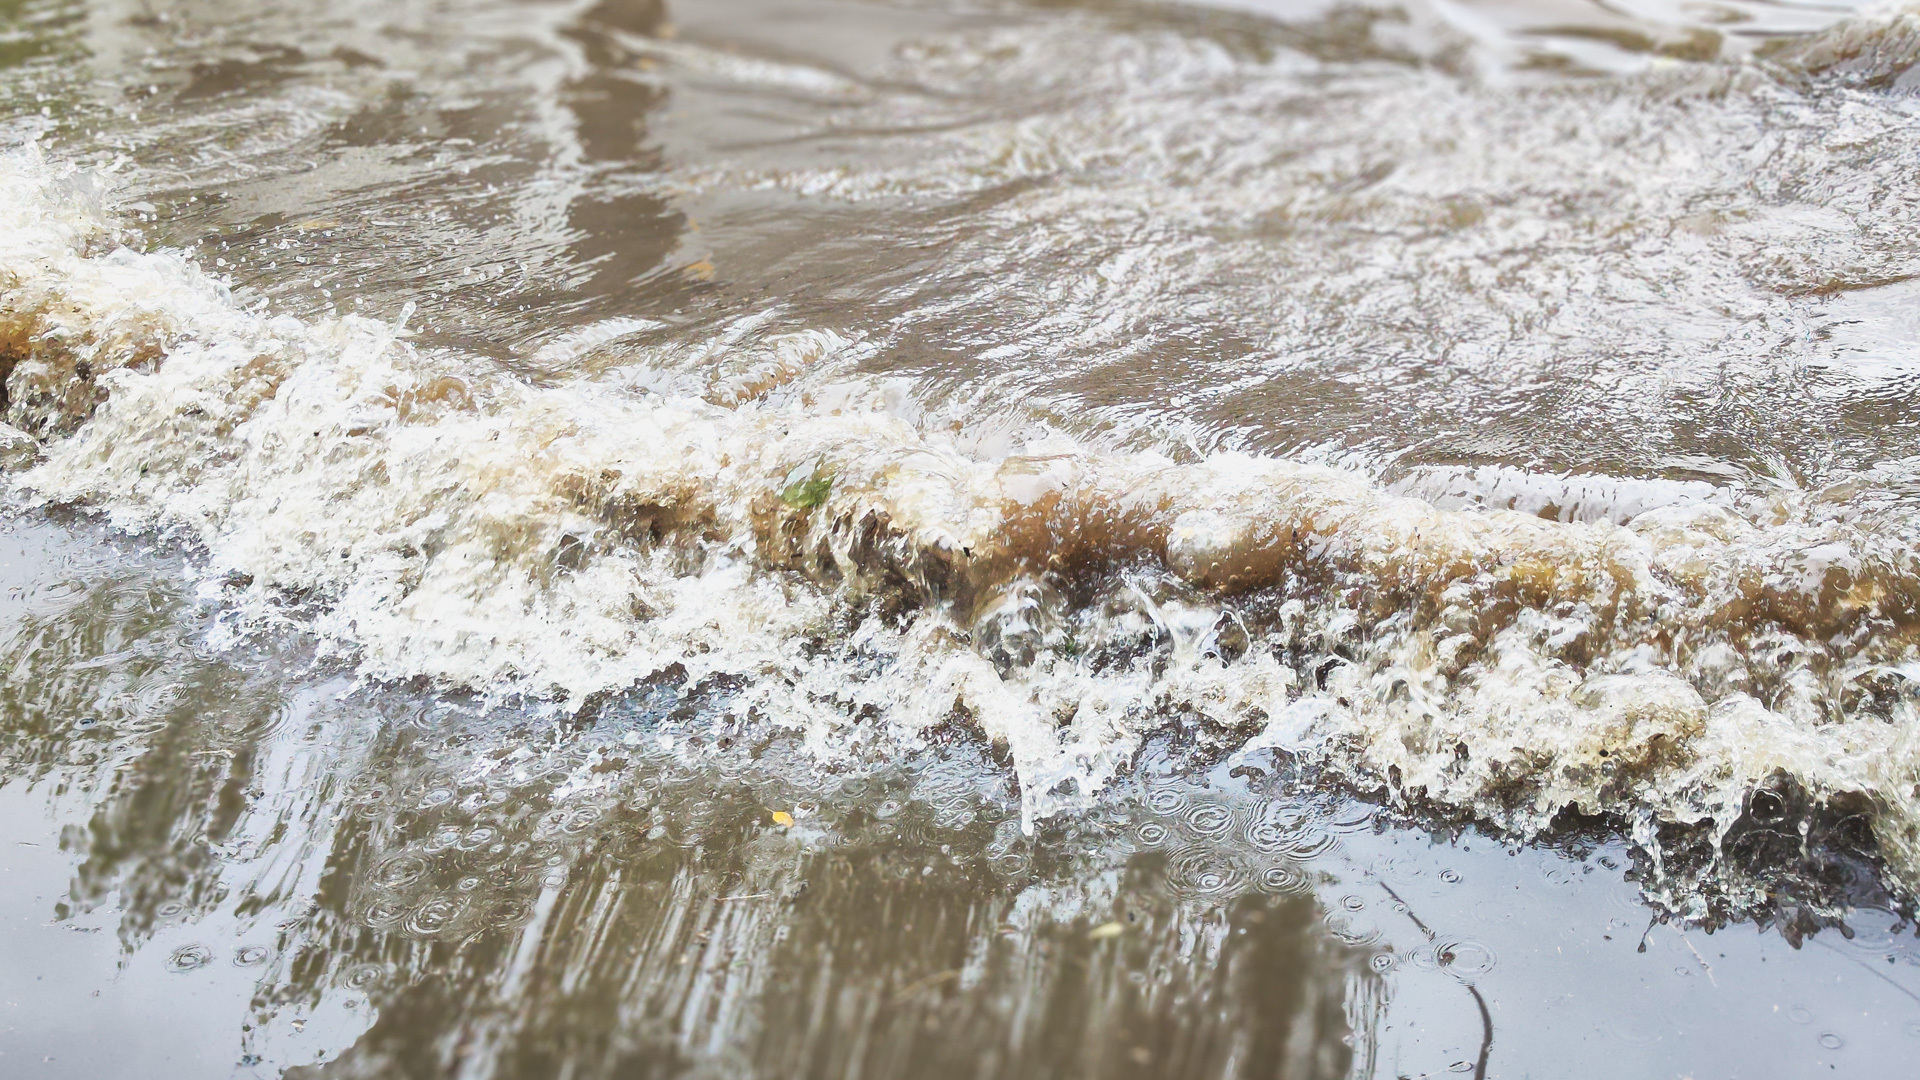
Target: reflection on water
<point>348,881</point>
<point>611,893</point>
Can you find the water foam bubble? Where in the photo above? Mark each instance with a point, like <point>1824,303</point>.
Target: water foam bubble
<point>436,518</point>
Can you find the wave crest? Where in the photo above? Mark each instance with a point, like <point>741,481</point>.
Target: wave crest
<point>752,509</point>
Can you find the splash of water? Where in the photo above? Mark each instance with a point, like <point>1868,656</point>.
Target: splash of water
<point>752,507</point>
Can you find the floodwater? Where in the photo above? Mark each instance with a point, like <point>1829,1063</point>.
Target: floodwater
<point>932,537</point>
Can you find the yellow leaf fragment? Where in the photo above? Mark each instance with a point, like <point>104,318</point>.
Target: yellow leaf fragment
<point>1106,930</point>
<point>782,819</point>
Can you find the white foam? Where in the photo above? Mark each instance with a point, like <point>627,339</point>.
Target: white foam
<point>439,520</point>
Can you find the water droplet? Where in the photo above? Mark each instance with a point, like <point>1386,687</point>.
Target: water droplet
<point>189,957</point>
<point>1466,958</point>
<point>1345,928</point>
<point>250,955</point>
<point>510,913</point>
<point>401,870</point>
<point>1209,819</point>
<point>1167,801</point>
<point>480,837</point>
<point>580,819</point>
<point>1010,863</point>
<point>1278,826</point>
<point>1450,876</point>
<point>1832,1041</point>
<point>436,915</point>
<point>382,913</point>
<point>1283,878</point>
<point>1204,872</point>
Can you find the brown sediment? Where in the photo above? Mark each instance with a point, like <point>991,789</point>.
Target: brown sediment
<point>51,355</point>
<point>15,346</point>
<point>636,515</point>
<point>1470,574</point>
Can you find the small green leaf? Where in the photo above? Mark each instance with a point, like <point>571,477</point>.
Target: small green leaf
<point>807,487</point>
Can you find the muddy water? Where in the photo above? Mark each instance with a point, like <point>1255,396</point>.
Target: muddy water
<point>1024,539</point>
<point>222,863</point>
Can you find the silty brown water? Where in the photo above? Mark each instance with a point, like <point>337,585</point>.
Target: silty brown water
<point>1054,456</point>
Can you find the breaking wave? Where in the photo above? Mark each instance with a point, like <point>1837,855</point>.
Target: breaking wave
<point>753,508</point>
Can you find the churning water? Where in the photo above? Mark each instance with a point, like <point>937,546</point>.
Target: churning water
<point>1108,428</point>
